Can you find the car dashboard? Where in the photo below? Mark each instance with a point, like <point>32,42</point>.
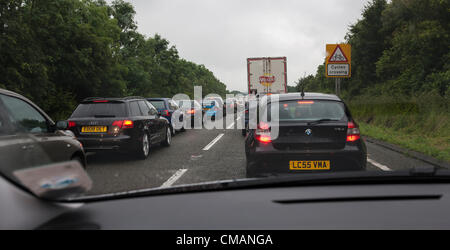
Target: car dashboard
<point>374,206</point>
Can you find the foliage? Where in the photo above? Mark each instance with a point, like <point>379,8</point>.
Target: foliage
<point>58,52</point>
<point>400,73</point>
<point>398,48</point>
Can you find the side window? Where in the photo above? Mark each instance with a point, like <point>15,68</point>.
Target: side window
<point>5,126</point>
<point>24,116</point>
<point>153,110</point>
<point>144,108</point>
<point>134,109</point>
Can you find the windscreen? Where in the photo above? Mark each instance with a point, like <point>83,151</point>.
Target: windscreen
<point>355,86</point>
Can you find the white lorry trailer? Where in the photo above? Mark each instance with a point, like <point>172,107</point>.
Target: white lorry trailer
<point>267,75</point>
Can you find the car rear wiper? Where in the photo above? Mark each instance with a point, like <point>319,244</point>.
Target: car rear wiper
<point>104,116</point>
<point>322,120</point>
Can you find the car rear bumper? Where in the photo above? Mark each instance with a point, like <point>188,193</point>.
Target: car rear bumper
<point>266,160</point>
<point>123,142</point>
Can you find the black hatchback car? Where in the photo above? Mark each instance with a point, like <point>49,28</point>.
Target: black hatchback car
<point>316,133</point>
<point>29,138</point>
<point>130,124</point>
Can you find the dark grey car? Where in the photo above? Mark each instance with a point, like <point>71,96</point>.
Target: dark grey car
<point>316,133</point>
<point>29,137</point>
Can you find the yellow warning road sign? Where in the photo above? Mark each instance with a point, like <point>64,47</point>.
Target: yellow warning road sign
<point>339,61</point>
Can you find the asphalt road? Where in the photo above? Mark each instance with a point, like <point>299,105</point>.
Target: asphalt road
<point>200,156</point>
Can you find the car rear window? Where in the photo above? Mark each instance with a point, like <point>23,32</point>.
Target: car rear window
<point>308,110</point>
<point>158,104</point>
<point>111,109</point>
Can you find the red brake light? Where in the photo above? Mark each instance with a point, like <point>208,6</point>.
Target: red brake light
<point>123,124</point>
<point>118,124</point>
<point>263,126</point>
<point>128,124</point>
<point>263,133</point>
<point>305,102</point>
<point>264,138</point>
<point>353,133</point>
<point>101,101</point>
<point>165,113</point>
<point>352,138</point>
<point>72,124</point>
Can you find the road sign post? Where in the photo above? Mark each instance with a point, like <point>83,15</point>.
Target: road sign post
<point>338,63</point>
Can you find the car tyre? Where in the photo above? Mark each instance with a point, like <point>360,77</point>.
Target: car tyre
<point>143,149</point>
<point>168,139</point>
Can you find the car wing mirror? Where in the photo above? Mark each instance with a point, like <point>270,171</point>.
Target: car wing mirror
<point>57,181</point>
<point>62,125</point>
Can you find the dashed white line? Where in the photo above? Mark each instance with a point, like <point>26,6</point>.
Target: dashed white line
<point>378,165</point>
<point>213,142</point>
<point>173,178</point>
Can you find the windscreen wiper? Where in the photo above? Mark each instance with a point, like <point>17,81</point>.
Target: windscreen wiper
<point>322,120</point>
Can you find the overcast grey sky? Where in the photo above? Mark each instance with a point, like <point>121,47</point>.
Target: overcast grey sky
<point>221,34</point>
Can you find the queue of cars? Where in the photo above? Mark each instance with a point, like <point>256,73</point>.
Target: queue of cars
<point>316,132</point>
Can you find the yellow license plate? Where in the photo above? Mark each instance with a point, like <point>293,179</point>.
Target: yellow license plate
<point>309,165</point>
<point>93,129</point>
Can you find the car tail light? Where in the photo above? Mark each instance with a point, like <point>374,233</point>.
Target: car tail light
<point>165,113</point>
<point>305,102</point>
<point>128,124</point>
<point>72,124</point>
<point>123,124</point>
<point>353,133</point>
<point>191,111</point>
<point>263,133</point>
<point>101,101</point>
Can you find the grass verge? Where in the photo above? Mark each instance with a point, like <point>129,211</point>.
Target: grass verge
<point>437,147</point>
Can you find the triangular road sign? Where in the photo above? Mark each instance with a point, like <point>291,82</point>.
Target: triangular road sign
<point>338,56</point>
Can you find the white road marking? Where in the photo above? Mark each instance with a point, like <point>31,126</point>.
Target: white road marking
<point>174,178</point>
<point>231,125</point>
<point>378,165</point>
<point>213,142</point>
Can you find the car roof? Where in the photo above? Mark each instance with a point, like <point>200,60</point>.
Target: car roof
<point>117,99</point>
<point>7,92</point>
<point>308,96</point>
<point>158,99</point>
